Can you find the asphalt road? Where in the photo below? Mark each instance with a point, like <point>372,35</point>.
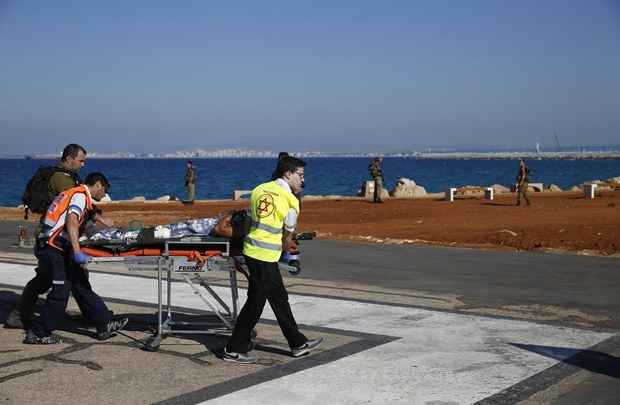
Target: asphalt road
<point>480,278</point>
<point>483,279</point>
<point>487,278</point>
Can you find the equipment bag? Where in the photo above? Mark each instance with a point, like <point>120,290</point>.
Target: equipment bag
<point>36,197</point>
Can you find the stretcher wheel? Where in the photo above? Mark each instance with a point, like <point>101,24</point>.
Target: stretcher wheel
<point>295,267</point>
<point>153,344</point>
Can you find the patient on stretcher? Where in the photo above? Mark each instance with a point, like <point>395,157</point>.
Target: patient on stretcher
<point>233,225</point>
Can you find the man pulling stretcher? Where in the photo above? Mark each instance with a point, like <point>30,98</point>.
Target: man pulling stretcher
<point>274,209</point>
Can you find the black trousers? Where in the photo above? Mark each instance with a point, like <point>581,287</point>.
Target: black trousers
<point>265,284</point>
<point>37,286</point>
<point>58,271</point>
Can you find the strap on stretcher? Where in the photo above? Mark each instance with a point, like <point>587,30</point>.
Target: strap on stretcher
<point>192,255</point>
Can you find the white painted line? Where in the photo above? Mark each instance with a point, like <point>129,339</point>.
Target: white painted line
<point>440,357</point>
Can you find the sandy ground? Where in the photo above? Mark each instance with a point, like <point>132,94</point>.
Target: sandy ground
<point>555,221</point>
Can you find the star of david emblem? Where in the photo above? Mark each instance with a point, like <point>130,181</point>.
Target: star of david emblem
<point>265,206</point>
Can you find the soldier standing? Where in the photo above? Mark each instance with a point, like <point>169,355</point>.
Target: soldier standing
<point>375,171</point>
<point>523,179</point>
<point>190,182</point>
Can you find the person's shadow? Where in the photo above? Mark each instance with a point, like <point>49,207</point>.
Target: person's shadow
<point>498,204</point>
<point>8,300</point>
<point>596,362</point>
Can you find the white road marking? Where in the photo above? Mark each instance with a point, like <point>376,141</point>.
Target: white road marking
<point>441,356</point>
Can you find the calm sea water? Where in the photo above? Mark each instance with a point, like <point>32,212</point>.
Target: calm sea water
<point>217,178</point>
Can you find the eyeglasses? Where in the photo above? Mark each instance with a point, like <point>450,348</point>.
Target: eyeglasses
<point>300,174</point>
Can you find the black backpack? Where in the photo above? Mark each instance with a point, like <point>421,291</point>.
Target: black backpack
<point>36,197</point>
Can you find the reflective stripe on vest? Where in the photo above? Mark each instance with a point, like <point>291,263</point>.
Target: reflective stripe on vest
<point>264,245</point>
<point>268,228</point>
<point>269,204</point>
<point>56,215</point>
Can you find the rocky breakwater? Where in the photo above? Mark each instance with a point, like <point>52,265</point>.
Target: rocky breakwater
<point>408,189</point>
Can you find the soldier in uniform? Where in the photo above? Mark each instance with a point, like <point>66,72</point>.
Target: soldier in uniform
<point>375,171</point>
<point>72,160</point>
<point>523,179</point>
<point>190,182</point>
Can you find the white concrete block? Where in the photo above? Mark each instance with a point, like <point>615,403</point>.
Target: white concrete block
<point>370,189</point>
<point>488,193</point>
<point>589,191</point>
<point>450,194</point>
<point>237,194</point>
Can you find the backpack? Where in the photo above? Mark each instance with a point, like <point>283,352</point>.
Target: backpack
<point>36,196</point>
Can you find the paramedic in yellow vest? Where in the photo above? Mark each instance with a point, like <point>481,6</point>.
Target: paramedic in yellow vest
<point>60,260</point>
<point>274,209</point>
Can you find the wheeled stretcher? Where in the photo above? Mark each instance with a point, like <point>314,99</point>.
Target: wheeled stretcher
<point>182,258</point>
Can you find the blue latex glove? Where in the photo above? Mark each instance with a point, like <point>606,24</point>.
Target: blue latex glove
<point>285,257</point>
<point>81,258</point>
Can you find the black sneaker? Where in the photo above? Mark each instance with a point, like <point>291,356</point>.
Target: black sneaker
<point>112,326</point>
<point>32,339</point>
<point>306,347</point>
<point>14,320</point>
<point>239,358</point>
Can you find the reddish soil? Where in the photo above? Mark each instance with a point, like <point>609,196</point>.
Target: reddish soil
<point>555,221</point>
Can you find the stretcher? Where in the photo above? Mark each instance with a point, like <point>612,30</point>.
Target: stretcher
<point>185,259</point>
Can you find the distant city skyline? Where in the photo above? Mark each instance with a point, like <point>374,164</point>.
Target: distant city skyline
<point>581,152</point>
<point>348,76</point>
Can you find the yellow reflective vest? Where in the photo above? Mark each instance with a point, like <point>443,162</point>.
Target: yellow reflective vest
<point>269,204</point>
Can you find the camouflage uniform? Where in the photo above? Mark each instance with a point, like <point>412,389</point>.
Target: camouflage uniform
<point>523,180</point>
<point>190,182</point>
<point>375,171</point>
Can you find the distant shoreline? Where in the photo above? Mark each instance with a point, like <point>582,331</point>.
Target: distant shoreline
<point>590,155</point>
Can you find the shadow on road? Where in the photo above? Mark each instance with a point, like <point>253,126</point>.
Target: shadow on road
<point>596,362</point>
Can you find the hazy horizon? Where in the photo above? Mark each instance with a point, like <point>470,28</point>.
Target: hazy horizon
<point>358,76</point>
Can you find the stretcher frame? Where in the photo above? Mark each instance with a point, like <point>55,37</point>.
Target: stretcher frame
<point>167,262</point>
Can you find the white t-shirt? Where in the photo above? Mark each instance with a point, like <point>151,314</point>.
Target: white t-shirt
<point>290,221</point>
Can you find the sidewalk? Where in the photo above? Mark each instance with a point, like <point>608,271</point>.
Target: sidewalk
<point>374,353</point>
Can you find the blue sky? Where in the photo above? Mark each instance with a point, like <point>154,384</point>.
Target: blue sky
<point>308,75</point>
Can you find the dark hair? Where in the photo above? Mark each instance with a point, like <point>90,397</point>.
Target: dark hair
<point>71,151</point>
<point>190,162</point>
<point>95,177</point>
<point>288,164</point>
<point>275,174</point>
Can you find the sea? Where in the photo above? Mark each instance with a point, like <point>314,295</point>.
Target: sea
<point>217,178</point>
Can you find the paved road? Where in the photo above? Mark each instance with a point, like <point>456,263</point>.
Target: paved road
<point>586,287</point>
<point>479,278</point>
<point>414,356</point>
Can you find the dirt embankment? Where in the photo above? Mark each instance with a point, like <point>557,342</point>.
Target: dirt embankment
<point>562,221</point>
